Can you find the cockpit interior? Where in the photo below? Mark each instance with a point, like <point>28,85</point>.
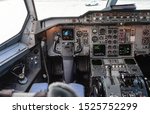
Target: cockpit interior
<point>107,52</point>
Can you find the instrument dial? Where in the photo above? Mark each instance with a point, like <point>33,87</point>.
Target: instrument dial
<point>94,38</point>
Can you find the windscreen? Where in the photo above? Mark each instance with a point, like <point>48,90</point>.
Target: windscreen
<point>12,17</point>
<point>72,8</point>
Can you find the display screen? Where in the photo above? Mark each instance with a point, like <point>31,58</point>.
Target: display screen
<point>97,62</point>
<point>67,34</point>
<point>125,49</point>
<point>99,50</point>
<point>130,61</point>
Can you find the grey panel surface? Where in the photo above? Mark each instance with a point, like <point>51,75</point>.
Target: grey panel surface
<point>11,52</point>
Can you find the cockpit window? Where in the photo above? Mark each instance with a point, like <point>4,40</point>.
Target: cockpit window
<point>71,8</point>
<point>140,4</point>
<point>12,17</point>
<point>66,8</point>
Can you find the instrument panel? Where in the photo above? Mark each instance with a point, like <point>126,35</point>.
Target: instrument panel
<point>115,33</point>
<point>102,41</point>
<point>111,39</point>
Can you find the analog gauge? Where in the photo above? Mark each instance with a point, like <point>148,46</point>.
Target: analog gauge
<point>94,38</point>
<point>79,33</point>
<point>109,52</point>
<point>115,31</point>
<point>102,31</point>
<point>109,31</point>
<point>109,41</point>
<point>101,37</point>
<point>114,47</point>
<point>115,37</point>
<point>109,47</point>
<point>109,37</point>
<point>115,41</point>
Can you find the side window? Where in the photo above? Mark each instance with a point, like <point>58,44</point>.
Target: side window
<point>12,16</point>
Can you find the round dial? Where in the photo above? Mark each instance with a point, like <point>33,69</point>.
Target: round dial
<point>109,37</point>
<point>115,31</point>
<point>102,31</point>
<point>94,38</point>
<point>115,36</point>
<point>109,31</point>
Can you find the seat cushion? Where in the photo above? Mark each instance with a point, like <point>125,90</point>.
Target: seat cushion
<point>38,87</point>
<point>78,88</point>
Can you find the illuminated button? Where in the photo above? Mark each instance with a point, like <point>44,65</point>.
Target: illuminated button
<point>35,62</point>
<point>94,18</point>
<point>35,57</point>
<point>141,17</point>
<point>122,75</point>
<point>100,18</point>
<point>120,66</point>
<point>31,58</point>
<point>115,17</point>
<point>113,66</point>
<point>94,31</point>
